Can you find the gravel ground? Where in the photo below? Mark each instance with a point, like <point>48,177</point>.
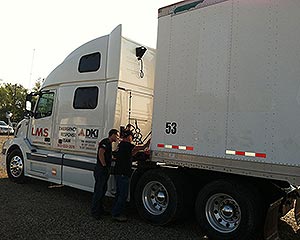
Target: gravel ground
<point>37,210</point>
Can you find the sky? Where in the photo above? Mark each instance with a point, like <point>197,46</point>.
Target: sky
<point>37,35</point>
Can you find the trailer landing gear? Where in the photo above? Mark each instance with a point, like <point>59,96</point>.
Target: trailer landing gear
<point>271,222</point>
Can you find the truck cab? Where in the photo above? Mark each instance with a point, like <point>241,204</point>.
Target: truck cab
<point>105,83</point>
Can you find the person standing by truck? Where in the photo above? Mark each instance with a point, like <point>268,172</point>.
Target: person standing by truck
<point>102,171</point>
<point>123,172</point>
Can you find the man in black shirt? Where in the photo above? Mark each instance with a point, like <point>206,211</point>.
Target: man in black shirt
<point>123,172</point>
<point>101,172</point>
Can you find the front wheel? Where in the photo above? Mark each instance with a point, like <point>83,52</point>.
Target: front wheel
<point>227,210</point>
<point>15,166</point>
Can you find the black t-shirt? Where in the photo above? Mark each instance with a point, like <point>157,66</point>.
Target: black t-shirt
<point>124,159</point>
<point>106,145</point>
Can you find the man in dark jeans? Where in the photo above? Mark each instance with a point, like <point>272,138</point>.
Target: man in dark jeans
<point>123,172</point>
<point>102,171</point>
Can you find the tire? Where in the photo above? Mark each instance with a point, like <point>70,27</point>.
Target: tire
<point>227,210</point>
<point>158,197</point>
<point>15,166</point>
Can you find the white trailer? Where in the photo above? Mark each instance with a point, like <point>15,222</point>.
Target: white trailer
<point>225,140</point>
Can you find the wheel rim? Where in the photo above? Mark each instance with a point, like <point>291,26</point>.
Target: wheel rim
<point>16,166</point>
<point>223,213</point>
<point>155,198</point>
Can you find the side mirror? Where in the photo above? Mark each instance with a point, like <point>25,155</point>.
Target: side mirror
<point>29,97</point>
<point>28,114</point>
<point>28,105</point>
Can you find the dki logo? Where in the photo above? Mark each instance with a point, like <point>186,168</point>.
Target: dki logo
<point>89,133</point>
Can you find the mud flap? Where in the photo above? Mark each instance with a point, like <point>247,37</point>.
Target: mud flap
<point>271,223</point>
<point>297,207</point>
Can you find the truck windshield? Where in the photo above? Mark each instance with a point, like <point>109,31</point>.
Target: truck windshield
<point>45,105</point>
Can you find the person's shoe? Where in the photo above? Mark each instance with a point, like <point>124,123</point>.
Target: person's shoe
<point>105,213</point>
<point>120,218</point>
<point>97,217</point>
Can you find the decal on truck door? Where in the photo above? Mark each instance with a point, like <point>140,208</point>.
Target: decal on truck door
<point>67,137</point>
<point>76,137</point>
<point>40,132</point>
<point>88,138</point>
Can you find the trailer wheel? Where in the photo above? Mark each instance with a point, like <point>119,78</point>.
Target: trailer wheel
<point>15,166</point>
<point>227,210</point>
<point>158,197</point>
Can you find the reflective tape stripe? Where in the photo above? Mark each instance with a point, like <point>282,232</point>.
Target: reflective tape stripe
<point>188,148</point>
<point>261,155</point>
<point>229,152</point>
<point>247,154</point>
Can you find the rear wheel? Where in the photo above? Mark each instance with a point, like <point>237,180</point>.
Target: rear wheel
<point>228,210</point>
<point>15,166</point>
<point>155,198</point>
<point>158,197</point>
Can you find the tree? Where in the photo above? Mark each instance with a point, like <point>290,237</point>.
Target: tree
<point>38,84</point>
<point>12,99</point>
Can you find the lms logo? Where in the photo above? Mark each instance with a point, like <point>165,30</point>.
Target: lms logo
<point>40,132</point>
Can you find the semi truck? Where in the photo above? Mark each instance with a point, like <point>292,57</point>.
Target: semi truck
<point>220,97</point>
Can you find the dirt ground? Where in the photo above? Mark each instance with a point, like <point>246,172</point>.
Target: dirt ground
<point>37,210</point>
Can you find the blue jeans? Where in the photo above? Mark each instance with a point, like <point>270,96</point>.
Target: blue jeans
<point>122,183</point>
<point>101,176</point>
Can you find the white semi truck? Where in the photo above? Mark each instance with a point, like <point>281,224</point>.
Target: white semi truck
<point>225,88</point>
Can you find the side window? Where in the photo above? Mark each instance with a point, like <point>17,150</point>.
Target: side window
<point>44,106</point>
<point>89,63</point>
<point>86,98</point>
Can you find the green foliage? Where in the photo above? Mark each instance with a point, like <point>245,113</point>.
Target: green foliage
<point>36,88</point>
<point>12,99</point>
<point>37,85</point>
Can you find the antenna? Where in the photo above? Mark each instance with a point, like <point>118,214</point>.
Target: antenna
<point>30,75</point>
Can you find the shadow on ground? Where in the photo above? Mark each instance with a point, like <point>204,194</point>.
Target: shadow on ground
<point>37,210</point>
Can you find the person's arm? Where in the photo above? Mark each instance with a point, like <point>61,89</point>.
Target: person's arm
<point>101,156</point>
<point>136,149</point>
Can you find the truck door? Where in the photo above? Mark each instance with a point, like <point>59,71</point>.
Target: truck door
<point>79,128</point>
<point>43,162</point>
